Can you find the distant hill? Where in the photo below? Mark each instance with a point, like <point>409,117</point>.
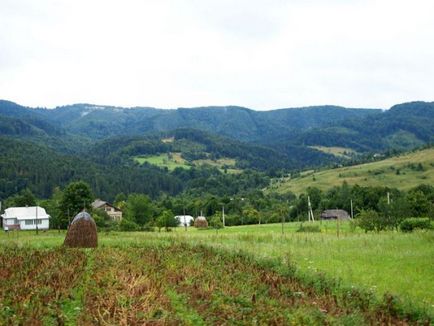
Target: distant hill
<point>403,127</point>
<point>199,147</point>
<point>235,122</point>
<point>403,172</point>
<point>27,165</point>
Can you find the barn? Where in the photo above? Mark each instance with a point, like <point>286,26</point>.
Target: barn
<point>334,214</point>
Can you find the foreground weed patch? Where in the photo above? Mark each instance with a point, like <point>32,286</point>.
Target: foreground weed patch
<point>172,283</point>
<point>34,283</point>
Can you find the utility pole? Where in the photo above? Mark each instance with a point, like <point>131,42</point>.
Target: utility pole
<point>311,218</point>
<point>388,198</point>
<point>185,221</point>
<point>223,215</point>
<point>36,219</point>
<point>352,212</point>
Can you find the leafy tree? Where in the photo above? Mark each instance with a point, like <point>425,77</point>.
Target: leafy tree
<point>127,225</point>
<point>251,215</point>
<point>419,204</point>
<point>167,220</point>
<point>102,219</point>
<point>369,220</point>
<point>216,221</point>
<point>139,209</point>
<point>52,206</point>
<point>22,199</point>
<point>76,197</point>
<point>395,212</point>
<point>120,200</point>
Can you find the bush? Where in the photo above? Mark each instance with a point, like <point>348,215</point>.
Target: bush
<point>308,228</point>
<point>370,220</point>
<point>410,224</point>
<point>127,225</point>
<point>216,222</point>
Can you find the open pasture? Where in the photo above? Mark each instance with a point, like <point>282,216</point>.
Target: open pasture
<point>404,172</point>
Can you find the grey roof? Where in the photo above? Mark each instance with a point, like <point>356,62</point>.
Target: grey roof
<point>335,213</point>
<point>98,203</point>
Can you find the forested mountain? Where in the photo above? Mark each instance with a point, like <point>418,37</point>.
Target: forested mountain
<point>44,148</point>
<point>27,165</point>
<point>404,126</point>
<point>236,122</point>
<point>196,145</point>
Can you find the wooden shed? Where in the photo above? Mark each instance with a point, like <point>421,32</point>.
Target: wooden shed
<point>334,214</point>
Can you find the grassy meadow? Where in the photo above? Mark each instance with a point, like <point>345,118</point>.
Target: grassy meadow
<point>171,162</point>
<point>174,160</point>
<point>387,262</point>
<point>403,172</point>
<point>337,151</point>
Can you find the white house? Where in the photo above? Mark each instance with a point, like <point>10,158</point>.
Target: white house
<point>184,220</point>
<point>25,218</point>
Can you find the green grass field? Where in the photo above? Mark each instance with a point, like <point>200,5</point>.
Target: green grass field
<point>172,161</point>
<point>337,151</point>
<point>387,262</point>
<point>402,172</point>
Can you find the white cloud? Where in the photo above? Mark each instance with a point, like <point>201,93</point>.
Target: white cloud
<point>259,54</point>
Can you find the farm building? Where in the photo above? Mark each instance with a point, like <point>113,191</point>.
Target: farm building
<point>334,214</point>
<point>184,220</point>
<point>25,218</point>
<point>112,211</point>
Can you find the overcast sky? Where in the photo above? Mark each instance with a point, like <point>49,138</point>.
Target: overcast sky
<point>259,54</point>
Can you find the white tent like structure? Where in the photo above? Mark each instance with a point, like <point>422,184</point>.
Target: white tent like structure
<point>25,218</point>
<point>184,220</point>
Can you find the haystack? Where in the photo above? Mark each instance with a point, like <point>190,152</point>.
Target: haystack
<point>200,222</point>
<point>82,232</point>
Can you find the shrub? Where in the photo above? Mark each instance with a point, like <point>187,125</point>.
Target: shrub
<point>216,222</point>
<point>410,224</point>
<point>127,225</point>
<point>308,228</point>
<point>370,220</point>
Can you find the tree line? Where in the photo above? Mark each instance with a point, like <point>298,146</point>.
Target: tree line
<point>375,208</point>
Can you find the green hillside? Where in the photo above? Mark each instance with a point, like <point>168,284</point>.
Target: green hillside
<point>403,172</point>
<point>171,161</point>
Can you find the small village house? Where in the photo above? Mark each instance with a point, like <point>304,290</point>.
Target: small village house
<point>25,218</point>
<point>184,220</point>
<point>112,211</point>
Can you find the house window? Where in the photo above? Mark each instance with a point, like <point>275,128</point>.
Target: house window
<point>29,222</point>
<point>38,221</point>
